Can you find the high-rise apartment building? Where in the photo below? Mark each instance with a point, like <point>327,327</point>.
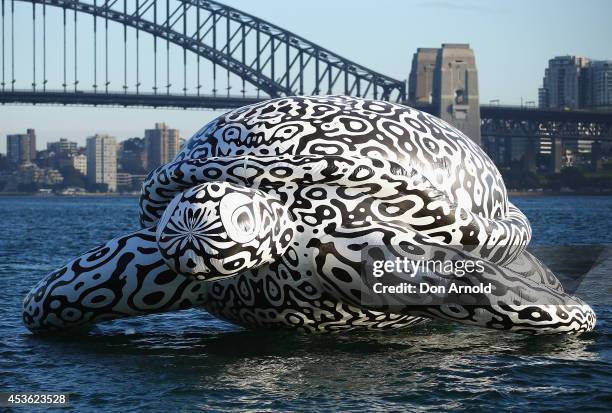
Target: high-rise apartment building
<point>21,148</point>
<point>63,146</point>
<point>102,161</point>
<point>574,82</point>
<point>161,145</point>
<point>562,86</point>
<point>599,84</point>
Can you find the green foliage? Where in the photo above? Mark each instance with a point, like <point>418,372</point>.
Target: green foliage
<point>72,178</point>
<point>6,164</point>
<point>516,178</point>
<point>571,177</point>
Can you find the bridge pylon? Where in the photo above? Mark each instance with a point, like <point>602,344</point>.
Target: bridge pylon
<point>447,79</point>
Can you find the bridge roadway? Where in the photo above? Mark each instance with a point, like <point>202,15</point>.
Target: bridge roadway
<point>159,100</point>
<point>502,121</point>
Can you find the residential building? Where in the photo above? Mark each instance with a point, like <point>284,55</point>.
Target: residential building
<point>162,145</point>
<point>21,148</point>
<point>128,182</point>
<point>575,82</point>
<point>102,161</point>
<point>63,146</point>
<point>562,83</point>
<point>28,174</point>
<point>599,87</point>
<point>124,181</point>
<point>77,161</point>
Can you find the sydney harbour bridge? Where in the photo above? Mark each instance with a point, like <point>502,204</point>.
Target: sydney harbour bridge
<point>203,54</point>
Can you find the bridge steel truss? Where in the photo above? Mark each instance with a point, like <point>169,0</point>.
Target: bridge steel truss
<point>515,122</point>
<point>271,59</point>
<point>275,61</point>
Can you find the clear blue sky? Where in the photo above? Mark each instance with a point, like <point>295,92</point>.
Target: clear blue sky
<point>512,40</point>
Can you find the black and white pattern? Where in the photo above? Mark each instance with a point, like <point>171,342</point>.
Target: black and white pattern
<point>262,217</point>
<point>218,230</point>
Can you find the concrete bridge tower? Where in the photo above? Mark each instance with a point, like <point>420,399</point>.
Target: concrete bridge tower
<point>420,82</point>
<point>453,86</point>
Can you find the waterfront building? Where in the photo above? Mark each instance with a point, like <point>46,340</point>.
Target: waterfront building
<point>28,174</point>
<point>124,181</point>
<point>63,146</point>
<point>102,161</point>
<point>563,83</point>
<point>77,161</point>
<point>138,181</point>
<point>575,82</point>
<point>599,87</point>
<point>21,148</point>
<point>162,145</point>
<point>128,182</point>
<point>31,173</point>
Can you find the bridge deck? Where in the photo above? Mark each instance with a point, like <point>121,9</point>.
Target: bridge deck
<point>501,121</point>
<point>126,99</point>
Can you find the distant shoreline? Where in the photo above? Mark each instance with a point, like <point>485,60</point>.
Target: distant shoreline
<point>135,195</point>
<point>559,193</point>
<point>84,194</point>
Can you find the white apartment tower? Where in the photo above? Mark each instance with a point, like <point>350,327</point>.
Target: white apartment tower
<point>102,161</point>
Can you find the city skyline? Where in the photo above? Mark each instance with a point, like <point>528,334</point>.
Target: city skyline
<point>103,165</point>
<point>498,32</point>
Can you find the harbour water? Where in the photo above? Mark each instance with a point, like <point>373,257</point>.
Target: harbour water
<point>189,361</point>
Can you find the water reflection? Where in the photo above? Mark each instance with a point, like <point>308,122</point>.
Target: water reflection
<point>415,367</point>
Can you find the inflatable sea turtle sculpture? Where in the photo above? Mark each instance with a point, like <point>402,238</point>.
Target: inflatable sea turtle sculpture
<point>264,216</point>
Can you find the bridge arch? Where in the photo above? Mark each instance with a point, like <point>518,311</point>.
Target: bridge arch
<point>306,67</point>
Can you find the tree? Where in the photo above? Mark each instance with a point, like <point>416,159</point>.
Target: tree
<point>518,178</point>
<point>572,177</point>
<point>569,177</point>
<point>6,164</point>
<point>101,188</point>
<point>72,178</point>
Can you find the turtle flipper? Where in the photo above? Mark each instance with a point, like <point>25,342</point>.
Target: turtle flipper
<point>209,232</point>
<point>518,302</point>
<point>124,277</point>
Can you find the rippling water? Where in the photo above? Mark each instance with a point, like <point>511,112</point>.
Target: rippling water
<point>189,361</point>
